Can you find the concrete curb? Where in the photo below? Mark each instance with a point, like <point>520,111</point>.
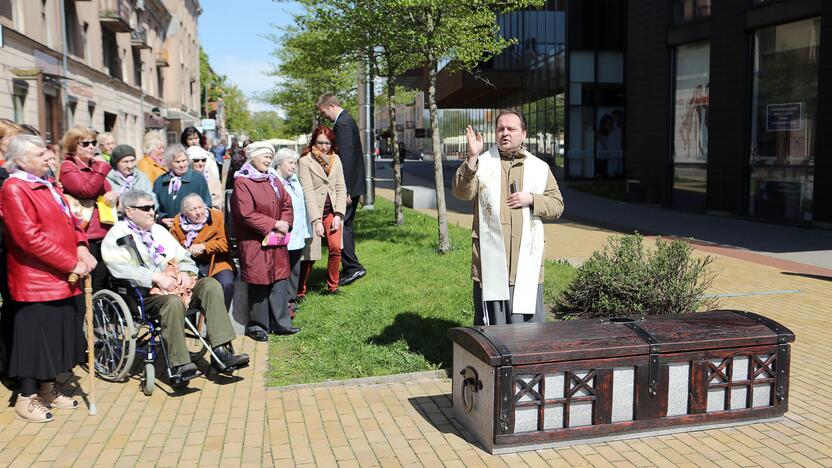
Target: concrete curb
<point>377,380</point>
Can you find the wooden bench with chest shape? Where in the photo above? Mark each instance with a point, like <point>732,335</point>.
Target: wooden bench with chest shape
<point>524,387</point>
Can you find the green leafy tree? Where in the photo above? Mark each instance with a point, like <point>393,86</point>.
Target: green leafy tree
<point>307,68</point>
<point>237,116</point>
<point>266,125</point>
<point>460,34</point>
<point>381,34</point>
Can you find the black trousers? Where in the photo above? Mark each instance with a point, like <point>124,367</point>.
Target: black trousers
<point>269,306</point>
<point>349,260</point>
<point>294,278</point>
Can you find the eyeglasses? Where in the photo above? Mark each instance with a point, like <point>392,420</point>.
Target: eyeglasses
<point>84,144</point>
<point>326,143</point>
<point>145,208</point>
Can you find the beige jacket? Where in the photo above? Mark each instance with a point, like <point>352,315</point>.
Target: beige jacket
<point>547,206</point>
<point>317,185</point>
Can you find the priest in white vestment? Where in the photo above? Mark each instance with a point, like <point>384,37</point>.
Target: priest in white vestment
<point>513,192</point>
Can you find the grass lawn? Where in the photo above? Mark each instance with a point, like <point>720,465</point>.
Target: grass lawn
<point>396,318</point>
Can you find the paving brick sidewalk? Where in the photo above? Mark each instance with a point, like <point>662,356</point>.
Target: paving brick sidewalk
<point>411,423</point>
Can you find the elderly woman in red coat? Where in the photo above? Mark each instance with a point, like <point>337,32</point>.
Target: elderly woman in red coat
<point>83,175</point>
<point>45,247</point>
<point>262,212</point>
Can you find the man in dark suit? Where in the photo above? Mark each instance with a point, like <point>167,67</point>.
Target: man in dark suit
<point>352,158</point>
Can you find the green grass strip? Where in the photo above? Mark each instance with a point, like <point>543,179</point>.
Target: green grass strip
<point>396,318</point>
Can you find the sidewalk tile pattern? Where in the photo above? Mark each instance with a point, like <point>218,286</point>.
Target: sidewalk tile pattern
<point>239,422</point>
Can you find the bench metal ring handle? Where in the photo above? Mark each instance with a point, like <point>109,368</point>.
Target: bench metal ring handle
<point>471,384</point>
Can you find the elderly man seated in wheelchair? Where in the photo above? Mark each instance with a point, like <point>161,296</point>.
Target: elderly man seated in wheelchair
<point>168,271</point>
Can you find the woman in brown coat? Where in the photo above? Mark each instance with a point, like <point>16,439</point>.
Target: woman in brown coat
<point>201,230</point>
<point>262,212</point>
<point>322,178</point>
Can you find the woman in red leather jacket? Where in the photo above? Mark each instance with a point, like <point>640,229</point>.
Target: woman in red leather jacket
<point>45,245</point>
<point>83,175</point>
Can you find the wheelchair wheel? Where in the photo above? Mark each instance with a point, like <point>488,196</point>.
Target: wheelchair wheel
<point>195,347</point>
<point>114,336</point>
<point>149,378</point>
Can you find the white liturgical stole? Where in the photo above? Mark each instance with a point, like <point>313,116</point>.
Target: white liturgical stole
<point>494,274</point>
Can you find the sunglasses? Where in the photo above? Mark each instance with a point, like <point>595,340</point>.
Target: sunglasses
<point>145,208</point>
<point>198,160</point>
<point>328,143</point>
<point>84,144</point>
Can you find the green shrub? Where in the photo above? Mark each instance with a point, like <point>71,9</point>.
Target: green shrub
<point>627,279</point>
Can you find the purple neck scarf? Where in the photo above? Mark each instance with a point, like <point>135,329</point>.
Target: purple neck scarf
<point>157,252</point>
<point>175,184</point>
<point>126,181</point>
<point>249,172</point>
<point>22,175</point>
<point>191,229</point>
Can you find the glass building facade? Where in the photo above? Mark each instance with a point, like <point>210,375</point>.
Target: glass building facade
<point>565,72</point>
<point>731,107</point>
<point>711,107</point>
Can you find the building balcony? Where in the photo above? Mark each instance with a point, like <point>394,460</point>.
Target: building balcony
<point>115,15</point>
<point>162,58</point>
<point>138,39</point>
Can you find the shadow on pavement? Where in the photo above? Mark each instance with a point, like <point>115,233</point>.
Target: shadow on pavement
<point>424,335</point>
<point>807,275</point>
<point>438,411</point>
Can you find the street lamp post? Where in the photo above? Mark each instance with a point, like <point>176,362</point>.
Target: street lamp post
<point>369,137</point>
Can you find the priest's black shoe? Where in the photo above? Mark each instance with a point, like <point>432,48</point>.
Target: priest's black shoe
<point>257,335</point>
<point>351,277</point>
<point>290,331</point>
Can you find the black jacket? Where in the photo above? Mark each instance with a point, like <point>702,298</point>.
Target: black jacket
<point>352,155</point>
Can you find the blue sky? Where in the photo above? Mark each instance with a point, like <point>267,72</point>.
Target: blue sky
<point>232,35</point>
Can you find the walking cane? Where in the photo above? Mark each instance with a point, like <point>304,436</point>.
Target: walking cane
<point>90,343</point>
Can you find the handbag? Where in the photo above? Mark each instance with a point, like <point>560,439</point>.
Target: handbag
<point>106,213</point>
<point>81,209</point>
<point>276,239</point>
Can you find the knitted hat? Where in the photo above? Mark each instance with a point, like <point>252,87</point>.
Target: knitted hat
<point>120,152</point>
<point>259,148</point>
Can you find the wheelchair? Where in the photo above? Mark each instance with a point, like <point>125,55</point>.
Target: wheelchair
<point>123,330</point>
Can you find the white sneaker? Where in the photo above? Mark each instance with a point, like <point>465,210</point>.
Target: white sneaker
<point>32,409</point>
<point>52,398</point>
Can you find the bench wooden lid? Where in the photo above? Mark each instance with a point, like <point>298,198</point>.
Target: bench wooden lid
<point>594,339</point>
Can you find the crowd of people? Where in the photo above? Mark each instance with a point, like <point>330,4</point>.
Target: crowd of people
<point>66,213</point>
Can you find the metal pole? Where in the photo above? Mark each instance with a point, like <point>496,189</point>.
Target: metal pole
<point>65,73</point>
<point>369,137</point>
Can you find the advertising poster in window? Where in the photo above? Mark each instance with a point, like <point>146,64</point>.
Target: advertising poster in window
<point>609,146</point>
<point>690,135</point>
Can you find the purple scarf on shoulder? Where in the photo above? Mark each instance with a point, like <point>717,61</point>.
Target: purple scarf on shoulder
<point>157,252</point>
<point>249,172</point>
<point>126,181</point>
<point>191,229</point>
<point>23,175</point>
<point>175,184</point>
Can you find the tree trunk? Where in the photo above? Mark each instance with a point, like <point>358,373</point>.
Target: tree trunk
<point>397,158</point>
<point>441,212</point>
